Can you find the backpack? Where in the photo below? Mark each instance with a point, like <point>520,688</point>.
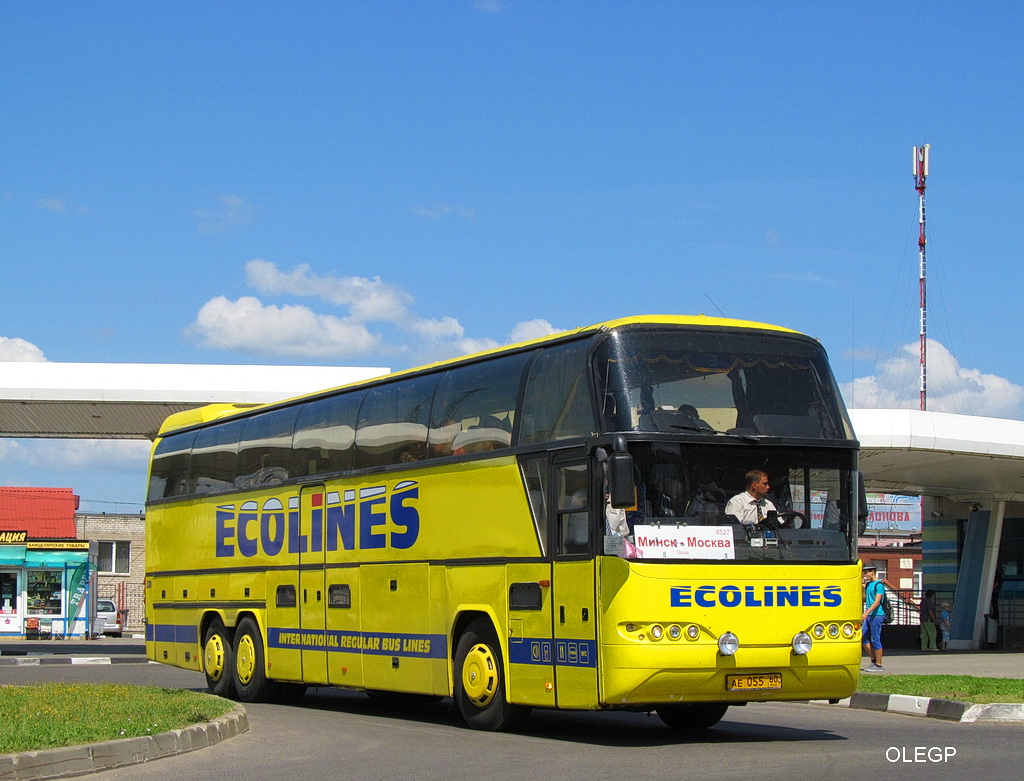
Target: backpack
<point>886,607</point>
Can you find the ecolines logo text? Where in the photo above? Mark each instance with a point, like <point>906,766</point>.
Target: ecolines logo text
<point>375,517</point>
<point>756,596</point>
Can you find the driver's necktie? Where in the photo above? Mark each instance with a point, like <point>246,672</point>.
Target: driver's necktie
<point>760,515</point>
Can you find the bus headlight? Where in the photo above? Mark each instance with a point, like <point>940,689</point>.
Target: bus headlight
<point>849,630</point>
<point>728,644</point>
<point>657,632</point>
<point>818,631</point>
<point>693,631</point>
<point>675,632</point>
<point>801,643</point>
<point>833,631</point>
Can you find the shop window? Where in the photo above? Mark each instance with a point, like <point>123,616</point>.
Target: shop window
<point>43,591</point>
<point>115,557</point>
<point>8,592</point>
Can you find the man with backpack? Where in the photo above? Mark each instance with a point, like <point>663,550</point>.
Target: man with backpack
<point>874,618</point>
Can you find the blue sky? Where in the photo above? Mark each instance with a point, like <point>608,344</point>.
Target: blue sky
<point>386,183</point>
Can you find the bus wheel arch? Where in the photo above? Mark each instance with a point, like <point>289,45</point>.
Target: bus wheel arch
<point>479,686</point>
<point>249,669</point>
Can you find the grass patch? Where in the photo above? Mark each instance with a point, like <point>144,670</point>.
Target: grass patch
<point>946,687</point>
<point>65,714</point>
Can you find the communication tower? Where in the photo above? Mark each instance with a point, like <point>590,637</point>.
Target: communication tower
<point>920,177</point>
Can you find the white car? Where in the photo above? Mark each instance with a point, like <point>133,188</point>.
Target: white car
<point>106,609</point>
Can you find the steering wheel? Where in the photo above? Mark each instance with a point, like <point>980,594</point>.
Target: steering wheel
<point>792,519</point>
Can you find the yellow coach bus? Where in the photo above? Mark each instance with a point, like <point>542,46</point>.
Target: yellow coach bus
<point>541,525</point>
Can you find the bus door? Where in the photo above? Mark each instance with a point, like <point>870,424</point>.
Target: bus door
<point>312,589</point>
<point>572,584</point>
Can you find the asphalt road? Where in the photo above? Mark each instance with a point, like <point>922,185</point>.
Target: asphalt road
<point>336,734</point>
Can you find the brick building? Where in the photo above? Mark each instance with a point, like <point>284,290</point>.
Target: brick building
<point>121,560</point>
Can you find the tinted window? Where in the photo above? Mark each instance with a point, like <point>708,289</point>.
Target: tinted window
<point>393,422</point>
<point>474,407</point>
<point>264,454</point>
<point>169,473</point>
<point>325,435</point>
<point>214,455</point>
<point>557,402</point>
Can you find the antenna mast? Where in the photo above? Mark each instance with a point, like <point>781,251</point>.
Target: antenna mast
<point>920,176</point>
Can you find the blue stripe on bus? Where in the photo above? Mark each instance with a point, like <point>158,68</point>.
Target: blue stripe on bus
<point>416,646</point>
<point>172,633</point>
<point>563,653</point>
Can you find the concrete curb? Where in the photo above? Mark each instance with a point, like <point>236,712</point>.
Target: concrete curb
<point>35,661</point>
<point>930,708</point>
<point>94,757</point>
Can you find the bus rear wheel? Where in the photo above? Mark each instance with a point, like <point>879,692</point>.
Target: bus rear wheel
<point>480,681</point>
<point>250,675</point>
<point>692,716</point>
<point>218,660</point>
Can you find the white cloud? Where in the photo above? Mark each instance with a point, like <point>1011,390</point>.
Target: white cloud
<point>532,329</point>
<point>52,204</point>
<point>61,455</point>
<point>59,205</point>
<point>231,211</point>
<point>251,326</point>
<point>951,387</point>
<point>370,299</point>
<point>15,349</point>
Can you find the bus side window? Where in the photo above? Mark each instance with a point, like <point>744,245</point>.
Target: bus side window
<point>325,434</point>
<point>264,453</point>
<point>169,475</point>
<point>474,407</point>
<point>393,420</point>
<point>535,473</point>
<point>557,403</point>
<point>573,509</point>
<point>214,456</point>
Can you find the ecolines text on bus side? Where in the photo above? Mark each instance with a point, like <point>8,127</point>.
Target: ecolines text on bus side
<point>371,518</point>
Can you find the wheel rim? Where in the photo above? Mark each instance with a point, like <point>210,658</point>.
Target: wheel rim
<point>245,664</point>
<point>215,656</point>
<point>480,675</point>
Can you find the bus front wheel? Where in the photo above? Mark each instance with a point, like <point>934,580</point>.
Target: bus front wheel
<point>693,716</point>
<point>250,674</point>
<point>480,681</point>
<point>218,660</point>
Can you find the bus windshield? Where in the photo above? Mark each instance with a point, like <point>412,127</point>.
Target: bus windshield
<point>683,492</point>
<point>680,380</point>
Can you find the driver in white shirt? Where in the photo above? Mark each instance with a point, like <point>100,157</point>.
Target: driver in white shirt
<point>751,506</point>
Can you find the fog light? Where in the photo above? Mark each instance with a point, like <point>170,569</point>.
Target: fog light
<point>657,632</point>
<point>801,643</point>
<point>728,644</point>
<point>675,632</point>
<point>818,631</point>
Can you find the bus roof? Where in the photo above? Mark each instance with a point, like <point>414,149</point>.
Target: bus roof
<point>211,412</point>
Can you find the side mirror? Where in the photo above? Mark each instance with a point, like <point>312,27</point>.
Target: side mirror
<point>621,489</point>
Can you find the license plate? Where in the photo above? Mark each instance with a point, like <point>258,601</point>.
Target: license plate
<point>762,682</point>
